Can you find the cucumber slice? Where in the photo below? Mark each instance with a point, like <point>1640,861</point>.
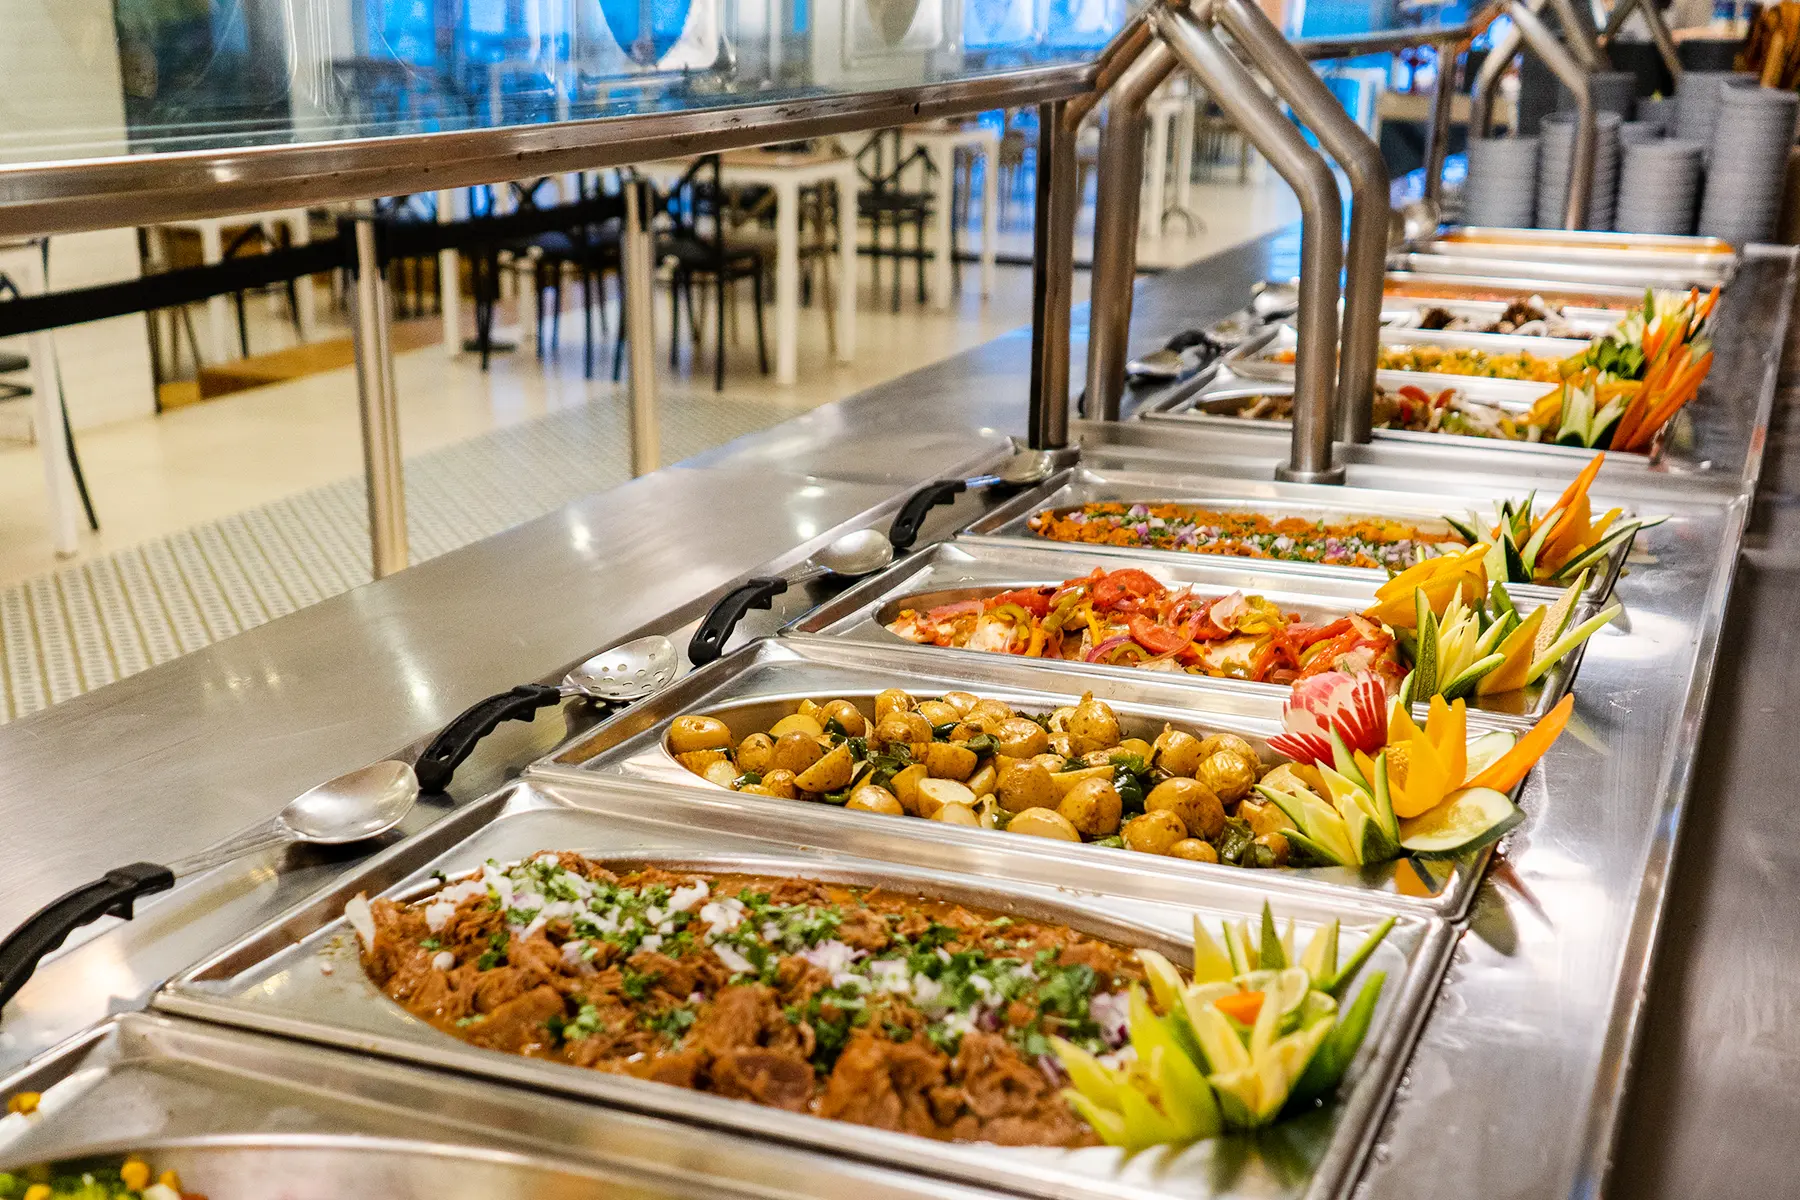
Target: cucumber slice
<point>1485,750</point>
<point>1465,530</point>
<point>1384,802</point>
<point>1463,823</point>
<point>1465,682</point>
<point>1500,602</point>
<point>1425,664</point>
<point>1318,853</point>
<point>1566,644</point>
<point>1557,618</point>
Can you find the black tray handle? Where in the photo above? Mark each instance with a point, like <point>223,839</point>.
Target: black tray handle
<point>918,506</point>
<point>723,617</point>
<point>448,749</point>
<point>110,895</point>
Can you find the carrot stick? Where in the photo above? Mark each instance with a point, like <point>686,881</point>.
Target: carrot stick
<point>1241,1007</point>
<point>1505,772</point>
<point>1628,423</point>
<point>1574,491</point>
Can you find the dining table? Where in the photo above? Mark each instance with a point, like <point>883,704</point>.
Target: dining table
<point>941,141</point>
<point>785,173</point>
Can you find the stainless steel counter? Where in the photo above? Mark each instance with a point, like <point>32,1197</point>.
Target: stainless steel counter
<point>1517,1078</point>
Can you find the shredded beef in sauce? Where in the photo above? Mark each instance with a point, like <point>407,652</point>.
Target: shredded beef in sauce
<point>887,1010</point>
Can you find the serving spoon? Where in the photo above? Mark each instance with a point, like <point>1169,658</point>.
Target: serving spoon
<point>617,676</point>
<point>1022,470</point>
<point>351,808</point>
<point>852,556</point>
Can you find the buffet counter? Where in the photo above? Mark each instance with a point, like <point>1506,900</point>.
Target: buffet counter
<point>1517,979</point>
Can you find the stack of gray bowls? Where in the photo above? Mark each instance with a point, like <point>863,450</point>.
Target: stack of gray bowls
<point>1697,100</point>
<point>1611,91</point>
<point>1502,182</point>
<point>1660,112</point>
<point>1554,163</point>
<point>1748,163</point>
<point>1659,186</point>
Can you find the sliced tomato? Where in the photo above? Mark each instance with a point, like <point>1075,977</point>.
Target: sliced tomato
<point>1035,601</point>
<point>1305,635</point>
<point>1156,638</point>
<point>1124,587</point>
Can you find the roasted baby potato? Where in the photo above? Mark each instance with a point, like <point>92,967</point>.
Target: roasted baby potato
<point>687,734</point>
<point>870,798</point>
<point>1093,807</point>
<point>1190,800</point>
<point>1153,832</point>
<point>1044,822</point>
<point>1025,785</point>
<point>796,752</point>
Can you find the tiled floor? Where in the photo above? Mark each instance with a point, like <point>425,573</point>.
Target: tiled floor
<point>229,513</point>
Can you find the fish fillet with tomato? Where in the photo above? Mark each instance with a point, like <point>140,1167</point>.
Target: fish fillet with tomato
<point>1130,618</point>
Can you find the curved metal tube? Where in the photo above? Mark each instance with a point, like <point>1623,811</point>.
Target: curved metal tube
<point>1109,68</point>
<point>1437,134</point>
<point>1365,261</point>
<point>1321,251</point>
<point>1487,81</point>
<point>1115,229</point>
<point>1562,64</point>
<point>1579,34</point>
<point>1659,32</point>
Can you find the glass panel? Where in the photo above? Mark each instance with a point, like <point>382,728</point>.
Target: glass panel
<point>82,78</point>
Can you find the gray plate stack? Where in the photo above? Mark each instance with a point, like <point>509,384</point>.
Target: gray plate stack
<point>1748,163</point>
<point>1611,91</point>
<point>1697,102</point>
<point>1659,186</point>
<point>1659,112</point>
<point>1555,160</point>
<point>1502,183</point>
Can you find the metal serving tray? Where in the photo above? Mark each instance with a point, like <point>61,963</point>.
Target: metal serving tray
<point>1217,404</point>
<point>766,680</point>
<point>1081,485</point>
<point>1612,297</point>
<point>953,571</point>
<point>1404,313</point>
<point>247,1117</point>
<point>1558,270</point>
<point>1584,245</point>
<point>300,977</point>
<point>1257,358</point>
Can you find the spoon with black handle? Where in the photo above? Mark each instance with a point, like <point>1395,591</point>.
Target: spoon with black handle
<point>852,556</point>
<point>1019,471</point>
<point>351,808</point>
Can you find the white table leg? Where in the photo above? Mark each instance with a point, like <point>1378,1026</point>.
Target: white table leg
<point>942,157</point>
<point>449,283</point>
<point>990,212</point>
<point>47,419</point>
<point>300,234</point>
<point>1155,175</point>
<point>847,280</point>
<point>218,315</point>
<point>1185,126</point>
<point>787,282</point>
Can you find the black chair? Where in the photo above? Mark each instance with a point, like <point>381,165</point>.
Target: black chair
<point>592,252</point>
<point>698,241</point>
<point>256,236</point>
<point>886,203</point>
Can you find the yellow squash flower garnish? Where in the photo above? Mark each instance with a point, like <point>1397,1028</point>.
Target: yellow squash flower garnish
<point>1441,579</point>
<point>1432,761</point>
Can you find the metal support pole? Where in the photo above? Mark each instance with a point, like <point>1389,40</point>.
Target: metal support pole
<point>1052,278</point>
<point>1437,134</point>
<point>1562,64</point>
<point>1116,229</point>
<point>1321,251</point>
<point>638,254</point>
<point>1659,32</point>
<point>1579,34</point>
<point>1365,260</point>
<point>1109,67</point>
<point>1487,82</point>
<point>379,400</point>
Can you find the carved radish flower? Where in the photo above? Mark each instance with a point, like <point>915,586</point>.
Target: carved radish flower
<point>1353,705</point>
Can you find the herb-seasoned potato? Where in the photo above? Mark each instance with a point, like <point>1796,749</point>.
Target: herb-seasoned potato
<point>1092,726</point>
<point>1194,850</point>
<point>1177,752</point>
<point>892,701</point>
<point>902,727</point>
<point>1044,822</point>
<point>1025,785</point>
<point>945,761</point>
<point>957,814</point>
<point>1093,807</point>
<point>687,734</point>
<point>1229,774</point>
<point>848,716</point>
<point>905,786</point>
<point>933,794</point>
<point>796,752</point>
<point>1153,832</point>
<point>869,798</point>
<point>1198,809</point>
<point>756,753</point>
<point>797,723</point>
<point>833,772</point>
<point>1021,737</point>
